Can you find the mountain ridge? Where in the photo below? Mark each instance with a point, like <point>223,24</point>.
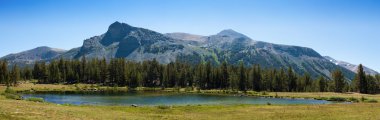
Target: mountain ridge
<point>36,54</point>
<point>352,67</point>
<point>139,44</point>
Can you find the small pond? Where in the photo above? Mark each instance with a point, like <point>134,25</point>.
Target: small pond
<point>162,99</point>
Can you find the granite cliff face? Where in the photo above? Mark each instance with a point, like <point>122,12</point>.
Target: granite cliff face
<point>138,44</point>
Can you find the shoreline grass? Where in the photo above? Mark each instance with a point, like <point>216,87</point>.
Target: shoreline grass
<point>19,109</point>
<point>22,109</point>
<point>90,88</point>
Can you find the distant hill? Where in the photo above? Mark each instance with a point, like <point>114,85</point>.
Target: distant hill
<point>138,44</point>
<point>30,56</point>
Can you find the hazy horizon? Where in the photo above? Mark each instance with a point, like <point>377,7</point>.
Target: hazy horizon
<point>346,30</point>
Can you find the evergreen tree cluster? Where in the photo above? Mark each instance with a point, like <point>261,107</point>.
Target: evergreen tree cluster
<point>9,77</point>
<point>366,83</point>
<point>121,72</point>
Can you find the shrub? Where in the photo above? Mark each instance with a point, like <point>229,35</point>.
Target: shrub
<point>10,91</point>
<point>12,96</point>
<point>321,98</point>
<point>352,99</point>
<point>34,99</point>
<point>338,99</point>
<point>363,99</point>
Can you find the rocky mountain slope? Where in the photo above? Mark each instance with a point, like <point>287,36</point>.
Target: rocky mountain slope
<point>138,44</point>
<point>36,54</point>
<point>233,47</point>
<point>351,67</point>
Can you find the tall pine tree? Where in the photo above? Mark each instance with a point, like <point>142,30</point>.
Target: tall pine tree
<point>339,81</point>
<point>361,81</point>
<point>14,76</point>
<point>322,83</point>
<point>242,77</point>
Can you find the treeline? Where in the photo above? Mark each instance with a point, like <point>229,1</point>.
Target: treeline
<point>121,72</point>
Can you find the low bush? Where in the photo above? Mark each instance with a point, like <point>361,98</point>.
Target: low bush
<point>321,98</point>
<point>10,91</point>
<point>338,99</point>
<point>363,99</point>
<point>34,99</point>
<point>352,99</point>
<point>12,96</point>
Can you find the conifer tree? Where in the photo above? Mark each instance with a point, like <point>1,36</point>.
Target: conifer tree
<point>322,83</point>
<point>280,81</point>
<point>27,73</point>
<point>54,73</point>
<point>255,76</point>
<point>361,81</point>
<point>242,77</point>
<point>308,82</point>
<point>14,76</point>
<point>4,78</point>
<point>372,86</point>
<point>62,70</point>
<point>292,80</point>
<point>339,82</point>
<point>224,75</point>
<point>83,69</point>
<point>207,73</point>
<point>103,71</point>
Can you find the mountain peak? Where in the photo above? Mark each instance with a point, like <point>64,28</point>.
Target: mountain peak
<point>42,47</point>
<point>116,31</point>
<point>46,48</point>
<point>231,33</point>
<point>118,26</point>
<point>228,30</point>
<point>115,23</point>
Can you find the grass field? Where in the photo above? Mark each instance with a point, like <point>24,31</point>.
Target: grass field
<point>22,109</point>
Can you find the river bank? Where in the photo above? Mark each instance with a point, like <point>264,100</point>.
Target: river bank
<point>22,109</point>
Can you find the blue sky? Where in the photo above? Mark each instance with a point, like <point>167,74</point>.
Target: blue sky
<point>347,30</point>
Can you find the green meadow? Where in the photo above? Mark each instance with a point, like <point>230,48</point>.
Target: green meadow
<point>29,109</point>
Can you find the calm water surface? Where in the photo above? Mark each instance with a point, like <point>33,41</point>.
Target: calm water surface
<point>163,99</point>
